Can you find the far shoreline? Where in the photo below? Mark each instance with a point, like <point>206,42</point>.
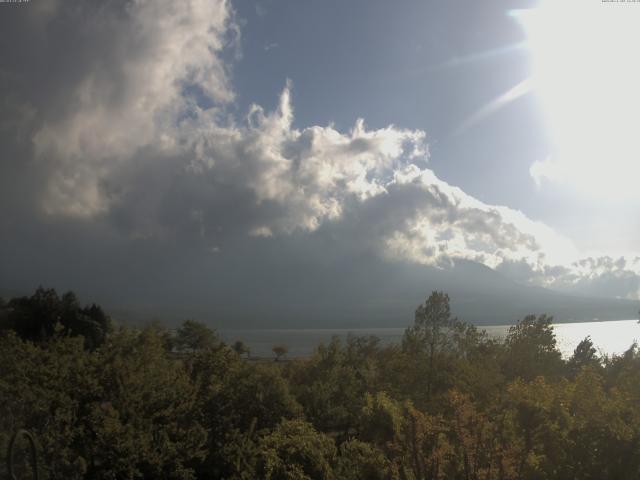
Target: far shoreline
<point>609,336</point>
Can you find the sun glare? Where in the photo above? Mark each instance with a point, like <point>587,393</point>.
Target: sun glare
<point>587,75</point>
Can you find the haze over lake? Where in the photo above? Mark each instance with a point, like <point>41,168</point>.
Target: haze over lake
<point>611,338</point>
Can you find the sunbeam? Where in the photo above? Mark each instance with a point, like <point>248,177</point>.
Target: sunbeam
<point>494,105</point>
<point>454,62</point>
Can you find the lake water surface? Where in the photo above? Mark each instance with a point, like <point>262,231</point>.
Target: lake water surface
<point>612,337</point>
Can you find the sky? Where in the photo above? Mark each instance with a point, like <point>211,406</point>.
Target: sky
<point>152,152</point>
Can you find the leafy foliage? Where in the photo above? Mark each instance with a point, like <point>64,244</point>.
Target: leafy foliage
<point>41,316</point>
<point>449,402</point>
<point>193,336</point>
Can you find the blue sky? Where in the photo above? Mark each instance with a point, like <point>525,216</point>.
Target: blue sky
<point>395,63</point>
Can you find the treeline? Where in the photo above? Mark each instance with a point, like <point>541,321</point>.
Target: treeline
<point>110,402</point>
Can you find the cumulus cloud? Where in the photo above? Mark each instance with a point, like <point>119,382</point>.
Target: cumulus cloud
<point>156,58</point>
<point>139,141</point>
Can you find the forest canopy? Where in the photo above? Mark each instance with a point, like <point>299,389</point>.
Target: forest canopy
<point>107,401</point>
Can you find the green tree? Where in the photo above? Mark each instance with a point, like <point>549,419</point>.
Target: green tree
<point>126,410</point>
<point>584,355</point>
<point>235,398</point>
<point>146,424</point>
<point>193,336</point>
<point>541,418</point>
<point>90,322</point>
<point>295,451</point>
<point>331,385</point>
<point>531,349</point>
<point>430,331</point>
<point>361,461</point>
<point>382,419</point>
<point>431,344</point>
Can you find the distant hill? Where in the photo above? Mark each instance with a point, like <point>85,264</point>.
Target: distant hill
<point>369,292</point>
<point>300,281</point>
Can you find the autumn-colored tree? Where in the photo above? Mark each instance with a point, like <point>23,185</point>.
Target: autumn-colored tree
<point>450,402</point>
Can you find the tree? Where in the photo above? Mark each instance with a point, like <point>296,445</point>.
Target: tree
<point>145,425</point>
<point>41,316</point>
<point>331,384</point>
<point>539,410</point>
<point>431,335</point>
<point>255,391</point>
<point>194,336</point>
<point>361,461</point>
<point>381,419</point>
<point>126,410</point>
<point>91,322</point>
<point>240,348</point>
<point>34,318</point>
<point>531,349</point>
<point>432,319</point>
<point>585,354</point>
<point>294,450</point>
<point>474,447</point>
<point>280,351</point>
<point>131,408</point>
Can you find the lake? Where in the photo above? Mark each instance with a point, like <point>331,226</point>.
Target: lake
<point>612,337</point>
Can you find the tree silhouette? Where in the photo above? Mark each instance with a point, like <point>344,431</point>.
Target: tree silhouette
<point>241,348</point>
<point>195,336</point>
<point>280,351</point>
<point>532,348</point>
<point>431,332</point>
<point>41,316</point>
<point>585,354</point>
